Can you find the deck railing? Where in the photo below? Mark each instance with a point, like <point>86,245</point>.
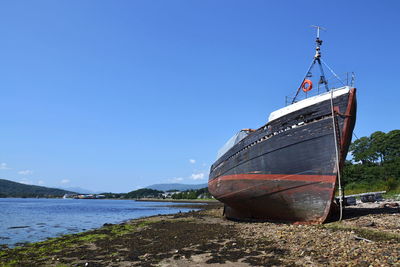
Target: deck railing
<point>346,79</point>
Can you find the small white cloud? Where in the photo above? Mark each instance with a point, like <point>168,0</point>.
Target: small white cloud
<point>3,166</point>
<point>197,176</point>
<point>26,181</point>
<point>25,172</point>
<point>193,161</point>
<point>65,181</point>
<point>40,182</point>
<point>175,180</point>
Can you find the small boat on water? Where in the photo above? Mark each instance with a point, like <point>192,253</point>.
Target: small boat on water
<point>289,169</point>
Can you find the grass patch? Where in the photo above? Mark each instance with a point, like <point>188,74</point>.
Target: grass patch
<point>365,186</point>
<point>145,223</point>
<point>91,237</point>
<point>370,234</point>
<point>122,229</point>
<point>126,228</point>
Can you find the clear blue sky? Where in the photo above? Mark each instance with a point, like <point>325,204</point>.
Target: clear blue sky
<point>116,95</point>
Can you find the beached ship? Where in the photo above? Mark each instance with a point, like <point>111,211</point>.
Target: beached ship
<point>289,169</point>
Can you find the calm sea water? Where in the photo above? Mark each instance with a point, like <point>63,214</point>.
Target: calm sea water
<point>31,220</point>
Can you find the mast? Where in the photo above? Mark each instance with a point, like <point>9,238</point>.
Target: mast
<point>316,59</point>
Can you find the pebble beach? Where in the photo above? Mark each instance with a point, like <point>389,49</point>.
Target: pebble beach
<point>368,236</point>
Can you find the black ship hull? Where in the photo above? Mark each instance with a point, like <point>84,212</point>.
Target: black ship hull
<point>287,169</point>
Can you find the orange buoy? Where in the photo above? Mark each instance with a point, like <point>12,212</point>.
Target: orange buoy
<point>306,85</point>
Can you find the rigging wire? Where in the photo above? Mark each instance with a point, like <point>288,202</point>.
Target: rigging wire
<point>355,136</point>
<point>334,74</point>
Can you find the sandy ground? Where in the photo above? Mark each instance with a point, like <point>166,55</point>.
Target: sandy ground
<point>368,236</point>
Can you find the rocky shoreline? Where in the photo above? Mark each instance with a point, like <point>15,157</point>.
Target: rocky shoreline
<point>368,236</point>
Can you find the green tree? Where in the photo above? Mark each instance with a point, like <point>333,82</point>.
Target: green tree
<point>362,151</point>
<point>380,157</point>
<point>379,145</point>
<point>393,144</point>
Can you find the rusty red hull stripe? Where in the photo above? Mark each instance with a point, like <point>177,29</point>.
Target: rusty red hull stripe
<point>288,177</point>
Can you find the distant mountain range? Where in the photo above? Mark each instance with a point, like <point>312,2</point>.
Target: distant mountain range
<point>180,187</point>
<point>14,189</point>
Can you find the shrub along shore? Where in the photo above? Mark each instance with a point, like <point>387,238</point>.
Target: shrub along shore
<point>365,237</point>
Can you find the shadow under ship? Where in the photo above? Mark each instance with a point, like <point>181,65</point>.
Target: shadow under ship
<point>288,169</point>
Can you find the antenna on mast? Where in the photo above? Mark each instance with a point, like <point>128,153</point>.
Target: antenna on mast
<point>318,28</point>
<point>318,41</point>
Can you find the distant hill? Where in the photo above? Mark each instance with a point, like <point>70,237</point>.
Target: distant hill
<point>144,192</point>
<point>180,187</point>
<point>80,190</point>
<point>14,189</point>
